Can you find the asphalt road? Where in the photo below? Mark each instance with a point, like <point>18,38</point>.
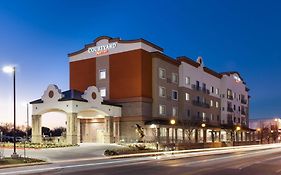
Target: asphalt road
<point>264,160</point>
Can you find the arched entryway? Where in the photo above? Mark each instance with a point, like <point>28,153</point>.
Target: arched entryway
<point>87,118</point>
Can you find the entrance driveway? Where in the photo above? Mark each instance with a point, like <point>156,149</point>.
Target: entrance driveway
<point>85,150</point>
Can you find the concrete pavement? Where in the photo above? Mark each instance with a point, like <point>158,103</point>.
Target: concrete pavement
<point>85,150</point>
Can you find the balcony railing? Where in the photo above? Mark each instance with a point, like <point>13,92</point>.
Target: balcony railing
<point>200,104</point>
<point>243,101</point>
<point>206,91</point>
<point>195,87</point>
<point>229,109</point>
<point>202,89</point>
<point>230,97</point>
<point>200,119</point>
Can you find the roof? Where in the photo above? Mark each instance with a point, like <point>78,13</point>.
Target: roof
<point>118,40</point>
<point>195,64</point>
<point>67,96</point>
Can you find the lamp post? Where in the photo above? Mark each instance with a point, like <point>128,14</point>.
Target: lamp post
<point>238,128</point>
<point>173,122</point>
<point>9,70</point>
<point>259,136</point>
<point>203,125</point>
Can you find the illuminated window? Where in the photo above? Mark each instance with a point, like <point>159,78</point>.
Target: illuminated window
<point>217,91</point>
<point>102,74</point>
<point>174,78</point>
<point>212,89</point>
<point>162,109</point>
<point>187,98</point>
<point>103,92</point>
<point>217,104</point>
<point>211,117</point>
<point>211,103</point>
<point>175,111</point>
<point>162,73</point>
<point>162,91</point>
<point>204,116</point>
<point>187,80</point>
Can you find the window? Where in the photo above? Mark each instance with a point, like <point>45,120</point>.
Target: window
<point>234,107</point>
<point>174,78</point>
<point>174,95</point>
<point>217,91</point>
<point>218,118</point>
<point>103,92</point>
<point>162,109</point>
<point>211,103</point>
<point>211,116</point>
<point>188,112</point>
<point>203,86</point>
<point>187,80</point>
<point>102,74</point>
<point>212,89</point>
<point>175,111</point>
<point>239,108</point>
<point>162,73</point>
<point>217,104</point>
<point>162,91</point>
<point>204,116</point>
<point>187,98</point>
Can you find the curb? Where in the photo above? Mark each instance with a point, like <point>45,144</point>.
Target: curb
<point>23,164</point>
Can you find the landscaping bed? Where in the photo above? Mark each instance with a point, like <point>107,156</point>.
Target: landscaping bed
<point>130,149</point>
<point>37,145</point>
<point>10,161</point>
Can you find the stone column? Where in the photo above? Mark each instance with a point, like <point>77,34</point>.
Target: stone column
<point>176,135</point>
<point>78,131</point>
<point>116,129</point>
<point>183,135</point>
<point>72,128</point>
<point>158,134</point>
<point>167,135</point>
<point>196,135</point>
<point>108,134</point>
<point>205,135</point>
<point>36,129</point>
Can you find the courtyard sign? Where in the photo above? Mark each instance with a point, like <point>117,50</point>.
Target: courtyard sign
<point>99,50</point>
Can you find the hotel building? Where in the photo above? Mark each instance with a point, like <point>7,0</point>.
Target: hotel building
<point>129,90</point>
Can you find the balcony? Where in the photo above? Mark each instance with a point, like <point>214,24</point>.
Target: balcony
<point>243,101</point>
<point>195,87</point>
<point>199,119</point>
<point>230,97</point>
<point>229,109</point>
<point>200,104</point>
<point>202,89</point>
<point>243,112</point>
<point>206,91</point>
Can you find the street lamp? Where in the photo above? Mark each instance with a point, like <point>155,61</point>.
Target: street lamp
<point>203,125</point>
<point>9,70</point>
<point>173,122</point>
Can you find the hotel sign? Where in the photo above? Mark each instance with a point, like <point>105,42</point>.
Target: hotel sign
<point>99,50</point>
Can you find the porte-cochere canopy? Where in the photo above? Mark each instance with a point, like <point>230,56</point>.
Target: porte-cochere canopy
<point>89,118</point>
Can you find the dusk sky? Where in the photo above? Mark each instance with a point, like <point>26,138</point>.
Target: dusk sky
<point>237,35</point>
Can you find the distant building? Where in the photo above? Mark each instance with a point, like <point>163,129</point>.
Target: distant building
<point>128,90</point>
<point>265,123</point>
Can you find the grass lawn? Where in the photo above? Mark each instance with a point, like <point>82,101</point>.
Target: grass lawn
<point>10,161</point>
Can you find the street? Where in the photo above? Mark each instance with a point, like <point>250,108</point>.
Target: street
<point>255,160</point>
